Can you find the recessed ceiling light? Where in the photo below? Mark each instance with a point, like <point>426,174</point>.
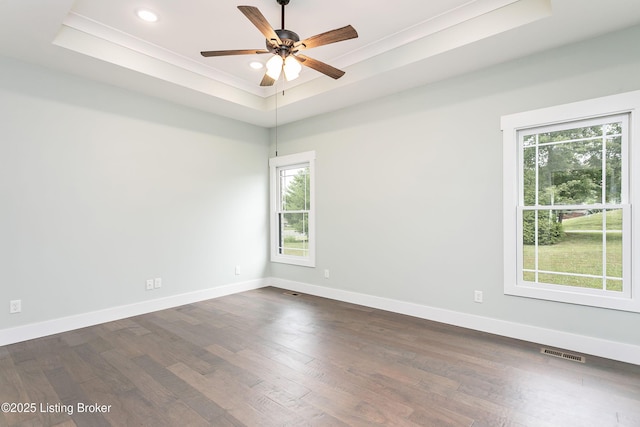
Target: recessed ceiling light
<point>147,15</point>
<point>256,65</point>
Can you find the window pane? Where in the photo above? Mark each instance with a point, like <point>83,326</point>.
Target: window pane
<point>571,134</point>
<point>614,169</point>
<point>614,249</point>
<point>570,242</point>
<point>614,285</point>
<point>294,189</point>
<point>294,234</point>
<point>529,176</point>
<point>567,280</point>
<point>549,228</point>
<point>528,140</point>
<point>580,248</point>
<point>579,252</point>
<point>528,240</point>
<point>570,173</point>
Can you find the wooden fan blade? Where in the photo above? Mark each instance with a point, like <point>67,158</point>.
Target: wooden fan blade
<point>232,52</point>
<point>257,18</point>
<point>267,81</point>
<point>333,36</point>
<point>320,66</point>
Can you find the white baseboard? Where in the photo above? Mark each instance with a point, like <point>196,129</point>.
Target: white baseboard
<point>64,324</point>
<point>563,340</point>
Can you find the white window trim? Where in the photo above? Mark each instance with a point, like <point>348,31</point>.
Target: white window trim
<point>309,158</point>
<point>625,103</point>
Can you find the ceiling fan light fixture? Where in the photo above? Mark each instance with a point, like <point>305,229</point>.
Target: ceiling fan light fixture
<point>274,67</point>
<point>291,68</point>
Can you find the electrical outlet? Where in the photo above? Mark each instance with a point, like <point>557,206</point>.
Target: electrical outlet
<point>15,306</point>
<point>149,284</point>
<point>477,296</point>
<point>326,273</point>
<point>157,282</point>
<point>237,270</point>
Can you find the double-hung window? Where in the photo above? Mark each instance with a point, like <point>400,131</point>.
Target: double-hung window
<point>292,209</point>
<point>569,228</point>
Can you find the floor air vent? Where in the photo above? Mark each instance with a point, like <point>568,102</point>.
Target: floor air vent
<point>563,355</point>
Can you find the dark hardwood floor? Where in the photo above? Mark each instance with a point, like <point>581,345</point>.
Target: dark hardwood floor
<point>268,358</point>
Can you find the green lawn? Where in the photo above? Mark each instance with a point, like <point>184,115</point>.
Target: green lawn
<point>581,253</point>
<point>594,221</point>
<point>292,246</point>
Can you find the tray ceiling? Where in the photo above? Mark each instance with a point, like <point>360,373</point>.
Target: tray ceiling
<point>401,44</point>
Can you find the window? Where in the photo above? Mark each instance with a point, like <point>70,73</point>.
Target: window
<point>568,188</point>
<point>292,209</point>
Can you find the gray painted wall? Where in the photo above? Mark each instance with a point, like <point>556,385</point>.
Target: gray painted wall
<point>102,189</point>
<point>409,187</point>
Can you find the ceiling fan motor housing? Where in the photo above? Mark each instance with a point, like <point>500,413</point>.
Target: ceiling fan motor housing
<point>288,38</point>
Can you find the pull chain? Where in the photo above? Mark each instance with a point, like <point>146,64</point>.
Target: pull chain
<point>276,99</point>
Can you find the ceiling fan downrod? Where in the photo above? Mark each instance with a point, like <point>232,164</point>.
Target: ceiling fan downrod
<point>283,3</point>
<point>288,37</point>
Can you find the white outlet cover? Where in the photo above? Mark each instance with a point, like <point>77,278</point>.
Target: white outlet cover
<point>15,306</point>
<point>149,284</point>
<point>477,296</point>
<point>157,282</point>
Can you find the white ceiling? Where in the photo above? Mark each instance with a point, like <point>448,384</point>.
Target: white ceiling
<point>401,44</point>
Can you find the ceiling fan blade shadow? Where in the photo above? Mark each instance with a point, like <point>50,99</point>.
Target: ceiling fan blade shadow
<point>267,81</point>
<point>232,52</point>
<point>320,66</point>
<point>333,36</point>
<point>257,18</point>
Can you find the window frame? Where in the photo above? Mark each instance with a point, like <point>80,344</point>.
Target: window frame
<point>621,104</point>
<point>275,164</point>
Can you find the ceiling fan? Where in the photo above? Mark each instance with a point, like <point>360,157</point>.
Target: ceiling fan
<point>285,45</point>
